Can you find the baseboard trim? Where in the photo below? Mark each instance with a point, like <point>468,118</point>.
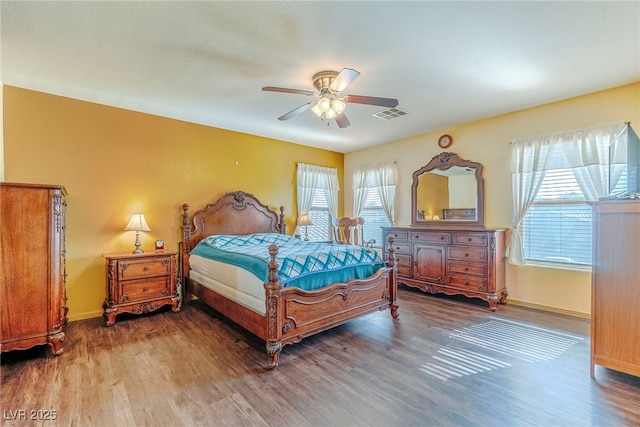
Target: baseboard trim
<point>550,309</point>
<point>86,315</point>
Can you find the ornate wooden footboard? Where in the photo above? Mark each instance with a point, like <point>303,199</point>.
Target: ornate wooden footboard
<point>291,313</point>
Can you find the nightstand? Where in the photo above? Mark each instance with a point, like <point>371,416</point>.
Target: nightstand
<point>140,283</point>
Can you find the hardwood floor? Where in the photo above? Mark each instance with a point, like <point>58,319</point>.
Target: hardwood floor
<point>446,361</point>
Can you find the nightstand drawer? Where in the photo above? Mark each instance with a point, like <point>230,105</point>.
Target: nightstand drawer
<point>141,268</point>
<point>145,289</point>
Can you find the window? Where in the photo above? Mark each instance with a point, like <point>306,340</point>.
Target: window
<point>553,178</point>
<point>374,217</point>
<point>557,226</point>
<point>320,218</point>
<point>374,192</point>
<point>317,198</point>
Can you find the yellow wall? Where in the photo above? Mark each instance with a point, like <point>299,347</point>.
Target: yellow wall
<point>114,162</point>
<point>487,142</point>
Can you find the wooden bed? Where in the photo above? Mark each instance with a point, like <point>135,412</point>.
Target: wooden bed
<point>291,313</point>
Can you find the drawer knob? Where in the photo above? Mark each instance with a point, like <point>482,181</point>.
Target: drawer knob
<point>146,268</point>
<point>145,289</point>
<point>441,237</point>
<point>466,283</point>
<point>466,254</point>
<point>468,239</point>
<point>466,269</point>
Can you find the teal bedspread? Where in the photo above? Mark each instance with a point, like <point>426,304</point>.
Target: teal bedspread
<point>305,265</point>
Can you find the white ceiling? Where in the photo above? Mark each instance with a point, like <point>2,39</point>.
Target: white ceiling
<point>205,62</point>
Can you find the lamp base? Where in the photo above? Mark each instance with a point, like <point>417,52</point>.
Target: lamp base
<point>137,244</point>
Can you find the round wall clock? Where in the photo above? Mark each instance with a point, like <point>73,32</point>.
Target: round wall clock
<point>445,141</point>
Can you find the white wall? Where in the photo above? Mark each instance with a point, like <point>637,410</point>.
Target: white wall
<point>488,142</point>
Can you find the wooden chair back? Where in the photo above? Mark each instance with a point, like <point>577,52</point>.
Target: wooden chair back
<point>348,231</point>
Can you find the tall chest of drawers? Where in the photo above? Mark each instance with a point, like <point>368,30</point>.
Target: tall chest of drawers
<point>464,261</point>
<point>32,266</point>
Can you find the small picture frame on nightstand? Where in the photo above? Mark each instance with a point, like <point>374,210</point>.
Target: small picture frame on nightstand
<point>159,245</point>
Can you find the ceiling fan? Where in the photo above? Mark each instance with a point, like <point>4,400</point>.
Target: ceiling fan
<point>330,104</point>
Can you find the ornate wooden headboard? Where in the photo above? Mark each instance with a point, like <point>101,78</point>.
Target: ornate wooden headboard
<point>236,212</point>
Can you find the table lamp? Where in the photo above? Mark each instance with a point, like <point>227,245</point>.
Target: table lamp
<point>137,223</point>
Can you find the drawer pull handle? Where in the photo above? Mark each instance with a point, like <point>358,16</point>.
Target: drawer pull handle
<point>466,269</point>
<point>146,268</point>
<point>466,283</point>
<point>468,239</point>
<point>441,237</point>
<point>466,254</point>
<point>145,289</point>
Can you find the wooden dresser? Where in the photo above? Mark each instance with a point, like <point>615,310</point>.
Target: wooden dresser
<point>32,266</point>
<point>615,296</point>
<point>140,283</point>
<point>465,261</point>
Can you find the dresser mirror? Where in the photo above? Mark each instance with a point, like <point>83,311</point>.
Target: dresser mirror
<point>448,191</point>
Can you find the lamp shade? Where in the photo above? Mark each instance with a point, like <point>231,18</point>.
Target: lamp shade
<point>137,223</point>
<point>304,220</point>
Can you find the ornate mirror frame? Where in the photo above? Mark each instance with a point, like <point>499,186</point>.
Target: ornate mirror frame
<point>445,161</point>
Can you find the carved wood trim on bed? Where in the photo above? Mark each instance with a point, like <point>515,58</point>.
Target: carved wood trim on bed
<point>291,313</point>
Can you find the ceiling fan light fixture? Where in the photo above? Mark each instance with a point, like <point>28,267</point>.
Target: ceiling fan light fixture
<point>338,105</point>
<point>330,114</point>
<point>316,110</point>
<point>324,104</point>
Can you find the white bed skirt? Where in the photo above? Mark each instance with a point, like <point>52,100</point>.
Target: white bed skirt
<point>234,283</point>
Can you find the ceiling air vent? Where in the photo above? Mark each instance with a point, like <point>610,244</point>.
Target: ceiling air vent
<point>390,113</point>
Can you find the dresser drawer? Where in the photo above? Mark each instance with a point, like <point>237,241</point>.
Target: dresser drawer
<point>440,237</point>
<point>467,253</point>
<point>477,239</point>
<point>402,248</point>
<point>144,289</point>
<point>398,235</point>
<point>475,269</point>
<point>475,284</point>
<point>138,269</point>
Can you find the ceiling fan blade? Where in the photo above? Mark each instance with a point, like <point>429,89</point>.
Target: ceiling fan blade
<point>342,80</point>
<point>287,90</point>
<point>296,111</point>
<point>371,100</point>
<point>342,121</point>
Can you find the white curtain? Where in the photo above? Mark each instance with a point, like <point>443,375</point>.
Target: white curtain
<point>360,190</point>
<point>585,151</point>
<point>385,180</point>
<point>311,178</point>
<point>381,176</point>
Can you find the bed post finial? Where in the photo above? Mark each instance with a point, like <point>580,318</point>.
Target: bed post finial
<point>282,225</point>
